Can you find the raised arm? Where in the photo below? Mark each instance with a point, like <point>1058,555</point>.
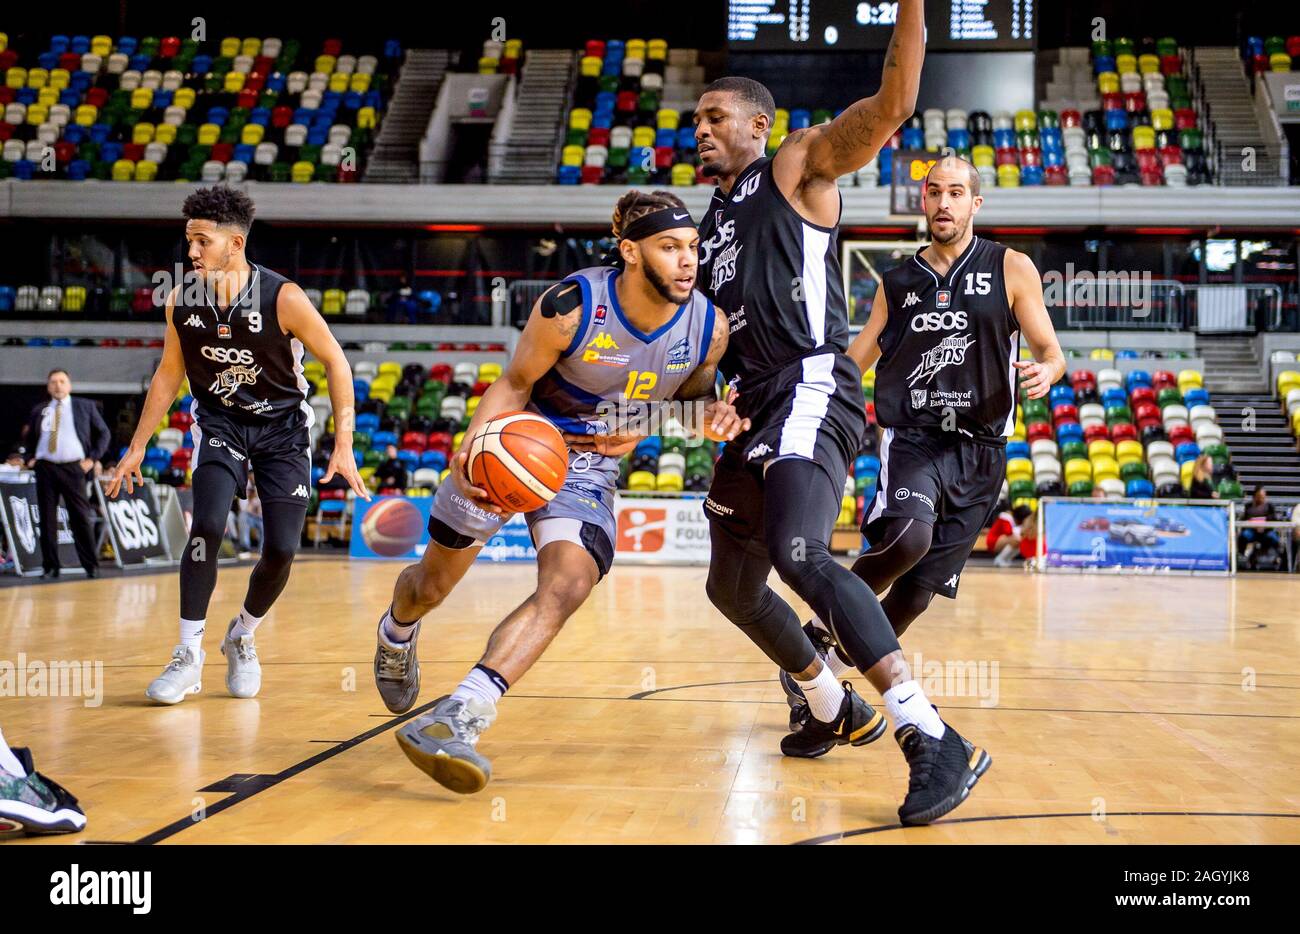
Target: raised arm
<point>1025,294</point>
<point>818,155</point>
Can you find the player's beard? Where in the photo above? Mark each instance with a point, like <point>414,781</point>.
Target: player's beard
<point>958,231</point>
<point>662,286</point>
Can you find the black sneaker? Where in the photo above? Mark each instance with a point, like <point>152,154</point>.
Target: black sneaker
<point>857,724</point>
<point>943,772</point>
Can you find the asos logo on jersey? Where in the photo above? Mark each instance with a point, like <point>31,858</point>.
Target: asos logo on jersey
<point>936,321</point>
<point>228,355</point>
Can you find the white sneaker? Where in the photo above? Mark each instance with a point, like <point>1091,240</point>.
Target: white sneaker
<point>243,671</point>
<point>183,675</point>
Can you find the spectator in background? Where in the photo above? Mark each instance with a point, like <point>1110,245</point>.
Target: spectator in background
<point>402,305</point>
<point>67,438</point>
<point>1251,540</point>
<point>250,517</point>
<point>1259,507</point>
<point>13,463</point>
<point>1003,540</point>
<point>392,472</point>
<point>1097,492</point>
<point>1029,535</point>
<point>1203,479</point>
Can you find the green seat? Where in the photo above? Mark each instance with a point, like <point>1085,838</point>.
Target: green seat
<point>229,134</point>
<point>1098,157</point>
<point>325,173</point>
<point>1133,470</point>
<point>309,153</point>
<point>213,83</point>
<point>1229,489</point>
<point>575,137</point>
<point>1216,450</point>
<point>648,102</point>
<point>119,301</point>
<point>374,457</point>
<point>637,176</point>
<point>673,446</point>
<point>148,46</point>
<point>280,172</point>
<point>1020,488</point>
<point>1169,396</point>
<point>6,169</point>
<point>102,171</point>
<point>1081,488</point>
<point>1072,449</point>
<point>608,83</point>
<point>361,439</point>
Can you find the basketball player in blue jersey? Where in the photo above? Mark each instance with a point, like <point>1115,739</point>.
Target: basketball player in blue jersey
<point>629,337</point>
<point>768,255</point>
<point>237,331</point>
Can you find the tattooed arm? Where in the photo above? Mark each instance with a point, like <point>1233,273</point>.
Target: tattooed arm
<point>810,160</point>
<point>708,415</point>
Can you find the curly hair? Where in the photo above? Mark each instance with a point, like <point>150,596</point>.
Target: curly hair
<point>220,204</point>
<point>636,204</point>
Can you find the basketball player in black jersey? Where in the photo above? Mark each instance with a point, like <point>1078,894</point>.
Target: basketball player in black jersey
<point>944,336</point>
<point>768,256</point>
<point>237,331</point>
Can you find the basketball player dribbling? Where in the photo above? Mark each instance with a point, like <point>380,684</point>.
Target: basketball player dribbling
<point>237,331</point>
<point>768,254</point>
<point>944,336</point>
<point>634,337</point>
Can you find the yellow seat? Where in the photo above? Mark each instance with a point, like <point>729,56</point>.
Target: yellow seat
<point>1108,82</point>
<point>142,133</point>
<point>37,114</point>
<point>123,170</point>
<point>333,299</point>
<point>60,78</point>
<point>667,119</point>
<point>252,134</point>
<point>325,63</point>
<point>641,481</point>
<point>643,136</point>
<point>366,118</point>
<point>1149,64</point>
<point>146,171</point>
<point>141,99</point>
<point>36,77</point>
<point>589,66</point>
<point>983,156</point>
<point>251,46</point>
<point>230,46</point>
<point>209,134</point>
<point>1162,118</point>
<point>16,77</point>
<point>101,45</point>
<point>164,133</point>
<point>579,118</point>
<point>359,82</point>
<point>1129,448</point>
<point>184,97</point>
<point>338,83</point>
<point>1008,176</point>
<point>1185,470</point>
<point>572,155</point>
<point>1101,446</point>
<point>1126,64</point>
<point>302,171</point>
<point>1279,61</point>
<point>86,114</point>
<point>1104,467</point>
<point>47,96</point>
<point>234,82</point>
<point>1026,120</point>
<point>683,174</point>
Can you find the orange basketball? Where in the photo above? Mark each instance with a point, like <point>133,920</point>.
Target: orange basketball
<point>392,527</point>
<point>520,459</point>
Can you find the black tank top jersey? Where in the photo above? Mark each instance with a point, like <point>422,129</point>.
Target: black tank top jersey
<point>948,346</point>
<point>238,361</point>
<point>776,275</point>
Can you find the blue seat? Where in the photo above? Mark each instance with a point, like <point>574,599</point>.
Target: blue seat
<point>78,170</point>
<point>410,459</point>
<point>1004,139</point>
<point>1031,175</point>
<point>665,138</point>
<point>392,49</point>
<point>651,445</point>
<point>885,161</point>
<point>800,118</point>
<point>1187,451</point>
<point>201,65</point>
<point>1103,63</point>
<point>79,44</point>
<point>127,45</point>
<point>276,82</point>
<point>25,169</point>
<point>430,299</point>
<point>865,464</point>
<point>368,422</point>
<point>1014,449</point>
<point>1116,120</point>
<point>1069,431</point>
<point>1126,355</point>
<point>381,439</point>
<point>959,139</point>
<point>76,134</point>
<point>913,138</point>
<point>6,298</point>
<point>1197,396</point>
<point>48,60</point>
<point>1114,396</point>
<point>1136,378</point>
<point>435,460</point>
<point>332,505</point>
<point>361,389</point>
<point>1139,487</point>
<point>569,174</point>
<point>26,96</point>
<point>99,133</point>
<point>140,62</point>
<point>1061,395</point>
<point>59,43</point>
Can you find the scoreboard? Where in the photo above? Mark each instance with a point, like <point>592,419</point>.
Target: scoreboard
<point>809,25</point>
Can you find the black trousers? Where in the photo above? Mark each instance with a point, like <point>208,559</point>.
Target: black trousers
<point>68,481</point>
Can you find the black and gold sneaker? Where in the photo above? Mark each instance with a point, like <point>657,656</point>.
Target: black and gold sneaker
<point>943,771</point>
<point>857,724</point>
<point>824,643</point>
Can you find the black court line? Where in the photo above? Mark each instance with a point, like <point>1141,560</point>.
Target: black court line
<point>884,828</point>
<point>255,785</point>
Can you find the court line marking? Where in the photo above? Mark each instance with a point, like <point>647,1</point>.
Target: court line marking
<point>270,780</point>
<point>884,828</point>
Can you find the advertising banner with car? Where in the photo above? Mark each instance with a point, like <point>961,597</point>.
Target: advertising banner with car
<point>1136,535</point>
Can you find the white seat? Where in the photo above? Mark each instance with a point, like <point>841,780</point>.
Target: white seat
<point>1174,411</point>
<point>1159,449</point>
<point>1207,432</point>
<point>426,477</point>
<point>236,171</point>
<point>357,303</point>
<point>1044,446</point>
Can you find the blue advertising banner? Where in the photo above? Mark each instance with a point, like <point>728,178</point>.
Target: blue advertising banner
<point>1142,534</point>
<point>398,527</point>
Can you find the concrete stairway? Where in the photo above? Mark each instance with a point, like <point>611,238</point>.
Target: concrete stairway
<point>395,158</point>
<point>1231,364</point>
<point>1260,443</point>
<point>527,152</point>
<point>1236,125</point>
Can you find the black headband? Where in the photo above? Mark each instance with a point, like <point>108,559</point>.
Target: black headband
<point>657,221</point>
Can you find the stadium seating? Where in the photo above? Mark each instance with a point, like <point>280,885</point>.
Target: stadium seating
<point>164,109</point>
<point>1273,53</point>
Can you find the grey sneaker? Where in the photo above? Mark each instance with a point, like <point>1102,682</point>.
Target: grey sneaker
<point>183,675</point>
<point>397,671</point>
<point>441,744</point>
<point>243,670</point>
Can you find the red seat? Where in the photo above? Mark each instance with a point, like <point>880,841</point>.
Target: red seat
<point>1039,431</point>
<point>1071,118</point>
<point>1142,394</point>
<point>1171,64</point>
<point>1123,431</point>
<point>1171,155</point>
<point>247,99</point>
<point>598,136</point>
<point>415,441</point>
<point>626,101</point>
<point>1145,423</point>
<point>1185,118</point>
<point>664,157</point>
<point>1103,175</point>
<point>593,174</point>
<point>223,152</point>
<point>7,95</point>
<point>332,47</point>
<point>1008,155</point>
<point>1113,100</point>
<point>64,151</point>
<point>1083,379</point>
<point>1056,175</point>
<point>390,491</point>
<point>1160,379</point>
<point>6,129</point>
<point>481,387</point>
<point>1135,102</point>
<point>281,117</point>
<point>97,96</point>
<point>1066,411</point>
<point>70,61</point>
<point>9,58</point>
<point>169,46</point>
<point>141,303</point>
<point>1181,435</point>
<point>1293,46</point>
<point>595,48</point>
<point>1146,410</point>
<point>441,372</point>
<point>347,173</point>
<point>1031,156</point>
<point>1096,433</point>
<point>439,441</point>
<point>1259,64</point>
<point>133,151</point>
<point>255,81</point>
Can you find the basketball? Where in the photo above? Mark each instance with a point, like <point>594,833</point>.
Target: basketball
<point>392,527</point>
<point>520,459</point>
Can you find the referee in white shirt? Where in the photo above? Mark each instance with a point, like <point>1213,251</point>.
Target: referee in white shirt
<point>70,438</point>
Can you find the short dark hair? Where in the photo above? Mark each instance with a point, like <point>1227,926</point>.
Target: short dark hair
<point>57,369</point>
<point>749,91</point>
<point>636,204</point>
<point>973,174</point>
<point>220,204</point>
<point>1021,513</point>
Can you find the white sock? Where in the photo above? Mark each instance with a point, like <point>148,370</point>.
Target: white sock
<point>825,695</point>
<point>839,667</point>
<point>192,634</point>
<point>480,685</point>
<point>906,703</point>
<point>8,761</point>
<point>396,633</point>
<point>245,624</point>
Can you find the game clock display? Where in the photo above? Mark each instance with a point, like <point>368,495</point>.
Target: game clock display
<point>806,25</point>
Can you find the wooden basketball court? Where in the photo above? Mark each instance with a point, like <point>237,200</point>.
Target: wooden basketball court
<point>1117,710</point>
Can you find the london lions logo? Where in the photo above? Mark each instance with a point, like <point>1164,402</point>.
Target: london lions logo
<point>24,531</point>
<point>948,352</point>
<point>230,379</point>
<point>724,268</point>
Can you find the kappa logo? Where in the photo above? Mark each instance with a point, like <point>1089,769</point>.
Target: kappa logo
<point>951,351</point>
<point>911,300</point>
<point>952,581</point>
<point>919,398</point>
<point>301,490</point>
<point>758,450</point>
<point>25,530</point>
<point>943,298</point>
<point>603,341</point>
<point>194,321</point>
